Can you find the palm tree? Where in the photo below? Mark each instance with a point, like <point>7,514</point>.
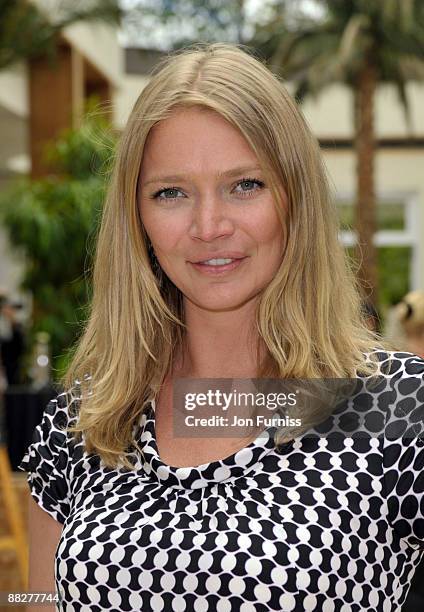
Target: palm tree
<point>360,43</point>
<point>27,32</point>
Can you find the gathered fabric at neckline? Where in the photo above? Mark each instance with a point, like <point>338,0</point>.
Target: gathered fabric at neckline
<point>228,469</point>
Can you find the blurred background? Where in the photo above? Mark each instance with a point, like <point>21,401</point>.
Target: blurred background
<point>70,72</point>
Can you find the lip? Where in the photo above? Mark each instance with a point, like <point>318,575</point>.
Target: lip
<point>217,270</point>
<point>219,255</point>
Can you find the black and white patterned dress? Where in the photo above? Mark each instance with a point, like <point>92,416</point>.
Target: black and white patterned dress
<point>320,524</point>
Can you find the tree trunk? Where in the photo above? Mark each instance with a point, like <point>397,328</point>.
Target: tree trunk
<point>366,206</point>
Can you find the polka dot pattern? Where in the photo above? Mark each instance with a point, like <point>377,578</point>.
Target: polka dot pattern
<point>323,523</point>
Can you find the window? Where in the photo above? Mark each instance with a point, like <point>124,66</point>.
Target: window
<point>397,239</point>
<point>390,216</point>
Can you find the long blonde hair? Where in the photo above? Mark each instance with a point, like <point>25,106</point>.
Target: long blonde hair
<point>309,317</point>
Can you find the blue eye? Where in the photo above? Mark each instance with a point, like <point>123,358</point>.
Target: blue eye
<point>164,192</point>
<point>248,182</point>
<point>159,194</point>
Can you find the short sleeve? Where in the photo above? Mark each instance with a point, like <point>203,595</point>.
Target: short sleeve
<point>403,454</point>
<point>47,460</point>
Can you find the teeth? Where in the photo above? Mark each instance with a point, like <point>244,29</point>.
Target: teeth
<point>217,262</point>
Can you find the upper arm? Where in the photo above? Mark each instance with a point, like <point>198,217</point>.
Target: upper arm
<point>48,463</point>
<point>48,460</point>
<point>44,534</point>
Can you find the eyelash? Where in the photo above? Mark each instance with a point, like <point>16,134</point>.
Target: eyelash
<point>248,193</point>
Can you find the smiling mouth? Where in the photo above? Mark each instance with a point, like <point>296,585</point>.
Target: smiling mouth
<point>218,265</point>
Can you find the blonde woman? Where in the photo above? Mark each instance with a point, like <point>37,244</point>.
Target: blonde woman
<point>218,258</point>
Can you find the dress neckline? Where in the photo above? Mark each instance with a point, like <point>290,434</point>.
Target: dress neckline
<point>236,465</point>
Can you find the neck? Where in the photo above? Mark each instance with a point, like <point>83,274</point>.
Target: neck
<point>220,344</point>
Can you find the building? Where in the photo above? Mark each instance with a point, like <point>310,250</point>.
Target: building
<point>40,98</point>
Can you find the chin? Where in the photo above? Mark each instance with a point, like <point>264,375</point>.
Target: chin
<point>216,303</point>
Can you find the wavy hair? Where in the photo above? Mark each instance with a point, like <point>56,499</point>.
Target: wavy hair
<point>309,316</point>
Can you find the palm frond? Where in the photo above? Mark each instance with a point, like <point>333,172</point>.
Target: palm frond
<point>353,38</point>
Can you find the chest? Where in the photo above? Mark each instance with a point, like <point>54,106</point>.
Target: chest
<point>296,527</point>
<point>192,451</point>
<point>195,449</point>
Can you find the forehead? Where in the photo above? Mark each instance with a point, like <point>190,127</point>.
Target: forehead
<point>195,139</point>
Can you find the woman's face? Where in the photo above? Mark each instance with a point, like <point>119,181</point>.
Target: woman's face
<point>202,197</point>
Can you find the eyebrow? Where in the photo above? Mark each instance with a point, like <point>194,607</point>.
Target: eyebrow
<point>180,177</point>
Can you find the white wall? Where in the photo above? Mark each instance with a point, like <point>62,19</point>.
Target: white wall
<point>330,114</point>
<point>125,96</point>
<point>399,174</point>
<point>97,41</point>
<point>99,44</point>
<point>14,89</point>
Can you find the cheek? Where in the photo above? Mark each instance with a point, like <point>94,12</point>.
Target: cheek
<point>163,230</point>
<point>267,230</point>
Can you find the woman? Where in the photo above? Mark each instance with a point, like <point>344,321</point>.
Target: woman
<point>218,258</point>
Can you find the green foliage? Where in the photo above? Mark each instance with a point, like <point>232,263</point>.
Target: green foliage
<point>27,32</point>
<point>389,215</point>
<point>333,45</point>
<point>53,222</point>
<point>394,264</point>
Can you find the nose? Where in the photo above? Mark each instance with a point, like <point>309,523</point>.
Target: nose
<point>211,220</point>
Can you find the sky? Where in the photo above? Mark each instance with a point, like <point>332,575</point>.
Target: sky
<point>158,37</point>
